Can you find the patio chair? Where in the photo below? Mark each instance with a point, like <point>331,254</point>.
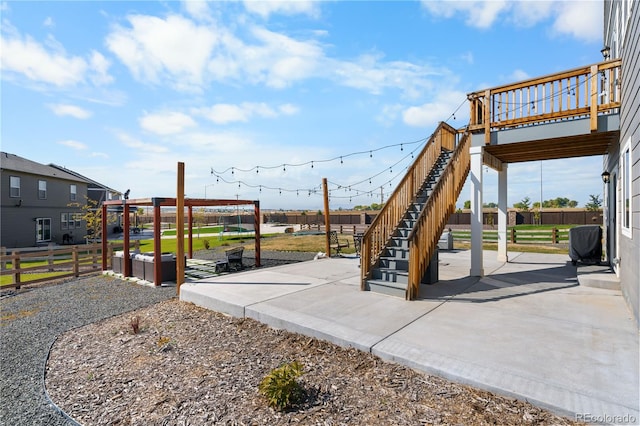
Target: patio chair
<point>234,257</point>
<point>335,243</point>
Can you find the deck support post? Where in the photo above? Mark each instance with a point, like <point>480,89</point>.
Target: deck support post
<point>502,215</point>
<point>477,269</point>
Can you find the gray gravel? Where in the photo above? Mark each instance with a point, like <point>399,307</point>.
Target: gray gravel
<point>31,319</point>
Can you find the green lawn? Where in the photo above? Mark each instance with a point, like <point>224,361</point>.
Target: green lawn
<point>208,230</point>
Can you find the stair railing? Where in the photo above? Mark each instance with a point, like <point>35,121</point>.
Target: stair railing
<point>435,214</point>
<point>386,222</point>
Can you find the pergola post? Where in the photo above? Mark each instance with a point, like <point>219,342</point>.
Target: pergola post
<point>104,237</point>
<point>125,225</point>
<point>327,218</point>
<point>157,243</point>
<point>256,226</point>
<point>190,234</point>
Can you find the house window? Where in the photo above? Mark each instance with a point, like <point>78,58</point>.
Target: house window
<point>70,220</point>
<point>42,189</point>
<point>73,192</point>
<point>43,229</point>
<point>625,188</point>
<point>15,186</point>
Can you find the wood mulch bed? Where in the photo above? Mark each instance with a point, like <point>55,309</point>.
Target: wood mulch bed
<point>188,365</point>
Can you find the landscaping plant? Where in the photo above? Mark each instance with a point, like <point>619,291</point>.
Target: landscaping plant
<point>280,386</point>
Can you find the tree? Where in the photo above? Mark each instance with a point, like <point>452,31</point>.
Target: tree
<point>594,203</point>
<point>524,205</point>
<point>467,204</point>
<point>92,215</point>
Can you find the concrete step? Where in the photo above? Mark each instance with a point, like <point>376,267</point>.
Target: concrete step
<point>388,288</point>
<point>598,276</point>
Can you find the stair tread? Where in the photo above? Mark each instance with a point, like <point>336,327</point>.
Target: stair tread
<point>384,283</point>
<point>397,271</point>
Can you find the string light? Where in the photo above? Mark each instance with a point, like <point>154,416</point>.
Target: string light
<point>313,162</point>
<point>351,188</point>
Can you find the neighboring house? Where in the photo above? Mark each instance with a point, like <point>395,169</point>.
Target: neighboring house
<point>622,162</point>
<point>42,204</point>
<point>95,191</point>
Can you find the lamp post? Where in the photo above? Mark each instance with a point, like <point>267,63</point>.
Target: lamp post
<point>205,189</point>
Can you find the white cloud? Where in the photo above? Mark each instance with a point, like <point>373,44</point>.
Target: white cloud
<point>70,110</point>
<point>74,144</point>
<point>156,49</point>
<point>26,57</point>
<point>479,14</point>
<point>185,55</point>
<point>139,146</point>
<point>287,7</point>
<point>518,75</point>
<point>389,114</point>
<point>199,9</point>
<point>166,123</point>
<point>229,113</point>
<point>429,114</point>
<point>280,60</point>
<point>579,19</point>
<point>467,57</point>
<point>100,67</point>
<point>582,19</point>
<point>373,75</point>
<point>48,63</point>
<point>49,22</point>
<point>288,109</point>
<point>101,155</point>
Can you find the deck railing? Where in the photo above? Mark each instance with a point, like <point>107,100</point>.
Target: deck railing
<point>579,93</point>
<point>387,220</point>
<point>433,218</point>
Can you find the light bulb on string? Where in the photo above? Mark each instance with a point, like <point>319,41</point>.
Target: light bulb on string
<point>401,148</point>
<point>341,162</point>
<point>312,164</point>
<point>232,171</point>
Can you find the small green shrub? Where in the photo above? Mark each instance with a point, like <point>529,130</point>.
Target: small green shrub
<point>206,244</point>
<point>280,386</point>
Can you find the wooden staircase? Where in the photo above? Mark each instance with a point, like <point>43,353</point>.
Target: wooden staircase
<point>400,243</point>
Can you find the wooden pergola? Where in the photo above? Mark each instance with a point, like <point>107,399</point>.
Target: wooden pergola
<point>157,203</point>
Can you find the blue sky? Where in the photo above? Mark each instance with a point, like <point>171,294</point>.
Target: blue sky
<point>260,91</point>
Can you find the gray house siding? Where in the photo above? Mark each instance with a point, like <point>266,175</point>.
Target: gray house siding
<point>628,246</point>
<point>21,214</point>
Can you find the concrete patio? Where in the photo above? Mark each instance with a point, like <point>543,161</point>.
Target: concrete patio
<point>527,329</point>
